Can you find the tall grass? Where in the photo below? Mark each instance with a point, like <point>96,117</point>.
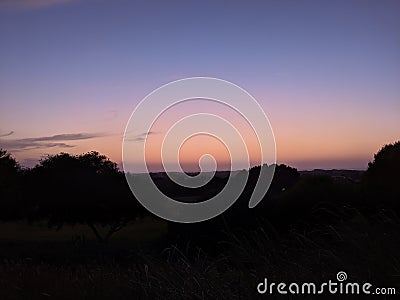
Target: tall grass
<point>365,248</point>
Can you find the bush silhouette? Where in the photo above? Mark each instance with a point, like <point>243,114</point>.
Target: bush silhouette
<point>9,169</point>
<point>86,189</point>
<point>383,176</point>
<point>9,180</point>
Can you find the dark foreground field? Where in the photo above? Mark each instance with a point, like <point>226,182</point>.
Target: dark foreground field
<point>75,266</point>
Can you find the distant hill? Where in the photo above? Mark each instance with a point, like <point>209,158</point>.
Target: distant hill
<point>339,175</point>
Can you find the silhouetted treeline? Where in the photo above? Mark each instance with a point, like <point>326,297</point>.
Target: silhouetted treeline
<point>309,201</point>
<point>68,189</point>
<point>89,189</point>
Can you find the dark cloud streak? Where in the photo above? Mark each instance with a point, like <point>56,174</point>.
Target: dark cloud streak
<point>64,137</point>
<point>7,134</point>
<point>17,145</point>
<point>140,137</point>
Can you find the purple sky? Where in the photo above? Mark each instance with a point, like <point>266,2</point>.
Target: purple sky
<point>327,73</point>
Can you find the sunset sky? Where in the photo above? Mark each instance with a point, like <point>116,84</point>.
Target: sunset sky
<point>326,73</point>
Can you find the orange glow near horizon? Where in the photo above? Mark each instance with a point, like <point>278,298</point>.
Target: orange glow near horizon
<point>316,142</point>
<point>194,147</point>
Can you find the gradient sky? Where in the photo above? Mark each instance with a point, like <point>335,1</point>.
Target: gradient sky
<point>327,73</point>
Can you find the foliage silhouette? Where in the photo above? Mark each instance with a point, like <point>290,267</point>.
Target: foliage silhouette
<point>382,177</point>
<point>9,183</point>
<point>89,189</point>
<point>86,189</point>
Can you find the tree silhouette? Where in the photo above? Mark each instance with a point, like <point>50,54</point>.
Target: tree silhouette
<point>383,176</point>
<point>9,168</point>
<point>9,175</point>
<point>86,189</point>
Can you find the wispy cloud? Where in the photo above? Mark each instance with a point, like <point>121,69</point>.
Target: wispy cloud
<point>44,142</point>
<point>65,137</point>
<point>6,134</point>
<point>139,137</point>
<point>30,4</point>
